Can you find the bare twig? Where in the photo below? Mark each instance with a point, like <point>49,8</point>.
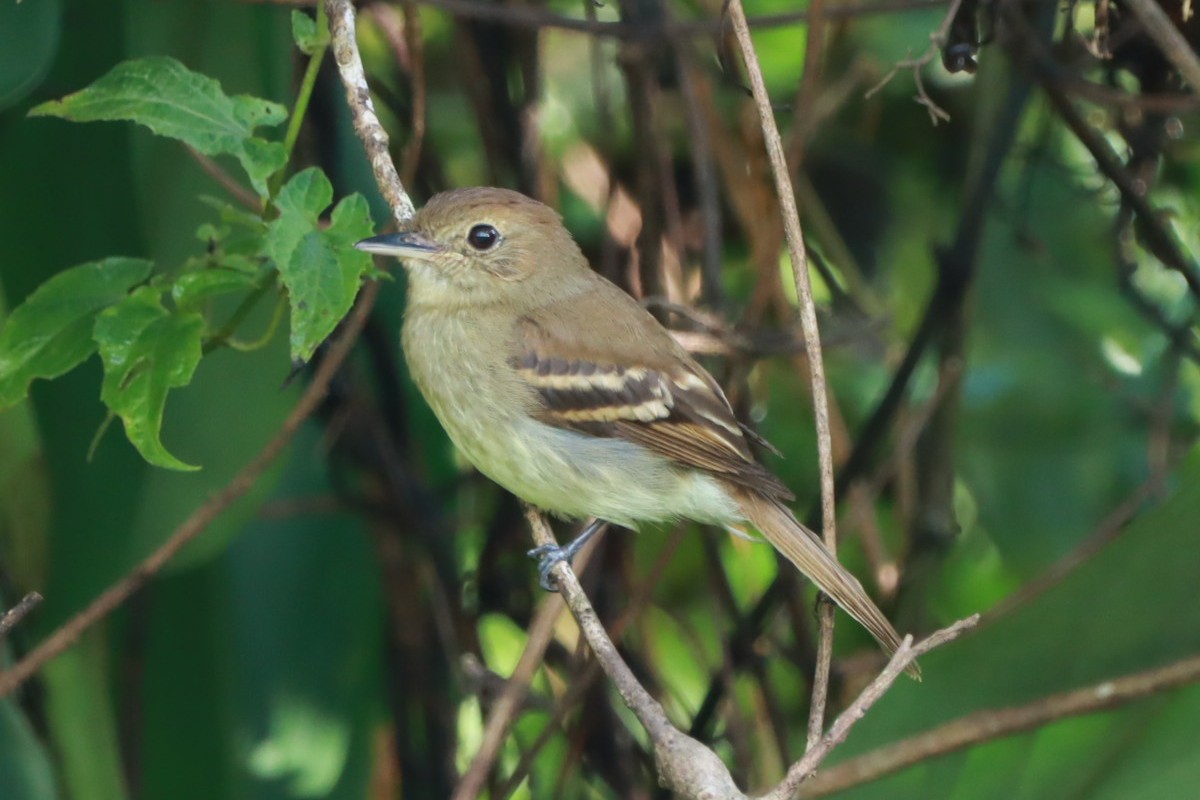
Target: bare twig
<point>812,342</point>
<point>905,655</point>
<point>684,764</point>
<point>11,618</point>
<point>987,726</point>
<point>202,517</point>
<point>407,43</point>
<point>584,680</point>
<point>358,96</point>
<point>937,40</point>
<point>511,700</point>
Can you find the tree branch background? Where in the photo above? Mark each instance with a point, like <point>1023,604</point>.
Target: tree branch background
<point>1007,305</point>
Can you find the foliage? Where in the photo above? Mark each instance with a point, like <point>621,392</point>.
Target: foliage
<point>342,630</point>
<point>149,348</point>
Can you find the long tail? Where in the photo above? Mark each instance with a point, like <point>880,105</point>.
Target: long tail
<point>802,547</point>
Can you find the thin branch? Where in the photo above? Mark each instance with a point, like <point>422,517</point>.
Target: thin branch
<point>812,342</point>
<point>12,618</point>
<point>584,680</point>
<point>1155,233</point>
<point>937,40</point>
<point>905,655</point>
<point>214,170</point>
<point>684,764</point>
<point>512,699</point>
<point>358,97</point>
<point>987,726</point>
<point>114,596</point>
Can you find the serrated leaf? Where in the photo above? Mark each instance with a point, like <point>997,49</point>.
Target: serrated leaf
<point>51,332</point>
<point>320,268</point>
<point>305,33</point>
<point>173,101</point>
<point>147,351</point>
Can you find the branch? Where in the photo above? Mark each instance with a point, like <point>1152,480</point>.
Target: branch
<point>686,766</point>
<point>986,726</point>
<point>512,698</point>
<point>812,343</point>
<point>907,654</point>
<point>358,97</point>
<point>937,41</point>
<point>12,618</point>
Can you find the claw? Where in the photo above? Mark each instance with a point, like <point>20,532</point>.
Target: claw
<point>549,555</point>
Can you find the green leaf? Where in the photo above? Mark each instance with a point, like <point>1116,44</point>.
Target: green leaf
<point>192,289</point>
<point>147,351</point>
<point>51,332</point>
<point>320,268</point>
<point>309,38</point>
<point>173,101</point>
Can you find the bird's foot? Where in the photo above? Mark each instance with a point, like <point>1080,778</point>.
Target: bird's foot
<point>548,555</point>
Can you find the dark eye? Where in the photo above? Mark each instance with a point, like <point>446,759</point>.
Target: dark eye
<point>483,237</point>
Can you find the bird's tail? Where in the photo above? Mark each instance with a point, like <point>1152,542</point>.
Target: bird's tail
<point>802,547</point>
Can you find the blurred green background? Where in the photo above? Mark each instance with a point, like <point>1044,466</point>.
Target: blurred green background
<point>340,631</point>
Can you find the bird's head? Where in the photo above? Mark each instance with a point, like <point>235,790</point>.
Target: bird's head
<point>471,246</point>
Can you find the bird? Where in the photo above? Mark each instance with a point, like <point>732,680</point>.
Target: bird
<point>563,389</point>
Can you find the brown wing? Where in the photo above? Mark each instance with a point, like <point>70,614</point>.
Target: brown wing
<point>674,407</point>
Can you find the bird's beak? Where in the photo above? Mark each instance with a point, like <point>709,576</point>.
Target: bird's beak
<point>407,244</point>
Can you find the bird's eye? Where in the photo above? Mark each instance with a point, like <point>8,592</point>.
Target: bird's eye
<point>483,237</point>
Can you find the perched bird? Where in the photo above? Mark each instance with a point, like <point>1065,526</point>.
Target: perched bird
<point>561,388</point>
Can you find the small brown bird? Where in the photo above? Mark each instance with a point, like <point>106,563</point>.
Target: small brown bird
<point>562,389</point>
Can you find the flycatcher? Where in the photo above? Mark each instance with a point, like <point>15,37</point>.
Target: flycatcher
<point>561,388</point>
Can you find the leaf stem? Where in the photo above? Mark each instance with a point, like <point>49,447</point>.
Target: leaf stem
<point>222,336</point>
<point>268,334</point>
<point>303,95</point>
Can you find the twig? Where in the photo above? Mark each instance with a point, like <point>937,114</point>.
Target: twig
<point>812,342</point>
<point>684,764</point>
<point>402,31</point>
<point>905,655</point>
<point>504,710</point>
<point>1169,39</point>
<point>214,170</point>
<point>584,680</point>
<point>937,40</point>
<point>70,631</point>
<point>511,700</point>
<point>987,726</point>
<point>11,618</point>
<point>358,97</point>
<point>1155,234</point>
